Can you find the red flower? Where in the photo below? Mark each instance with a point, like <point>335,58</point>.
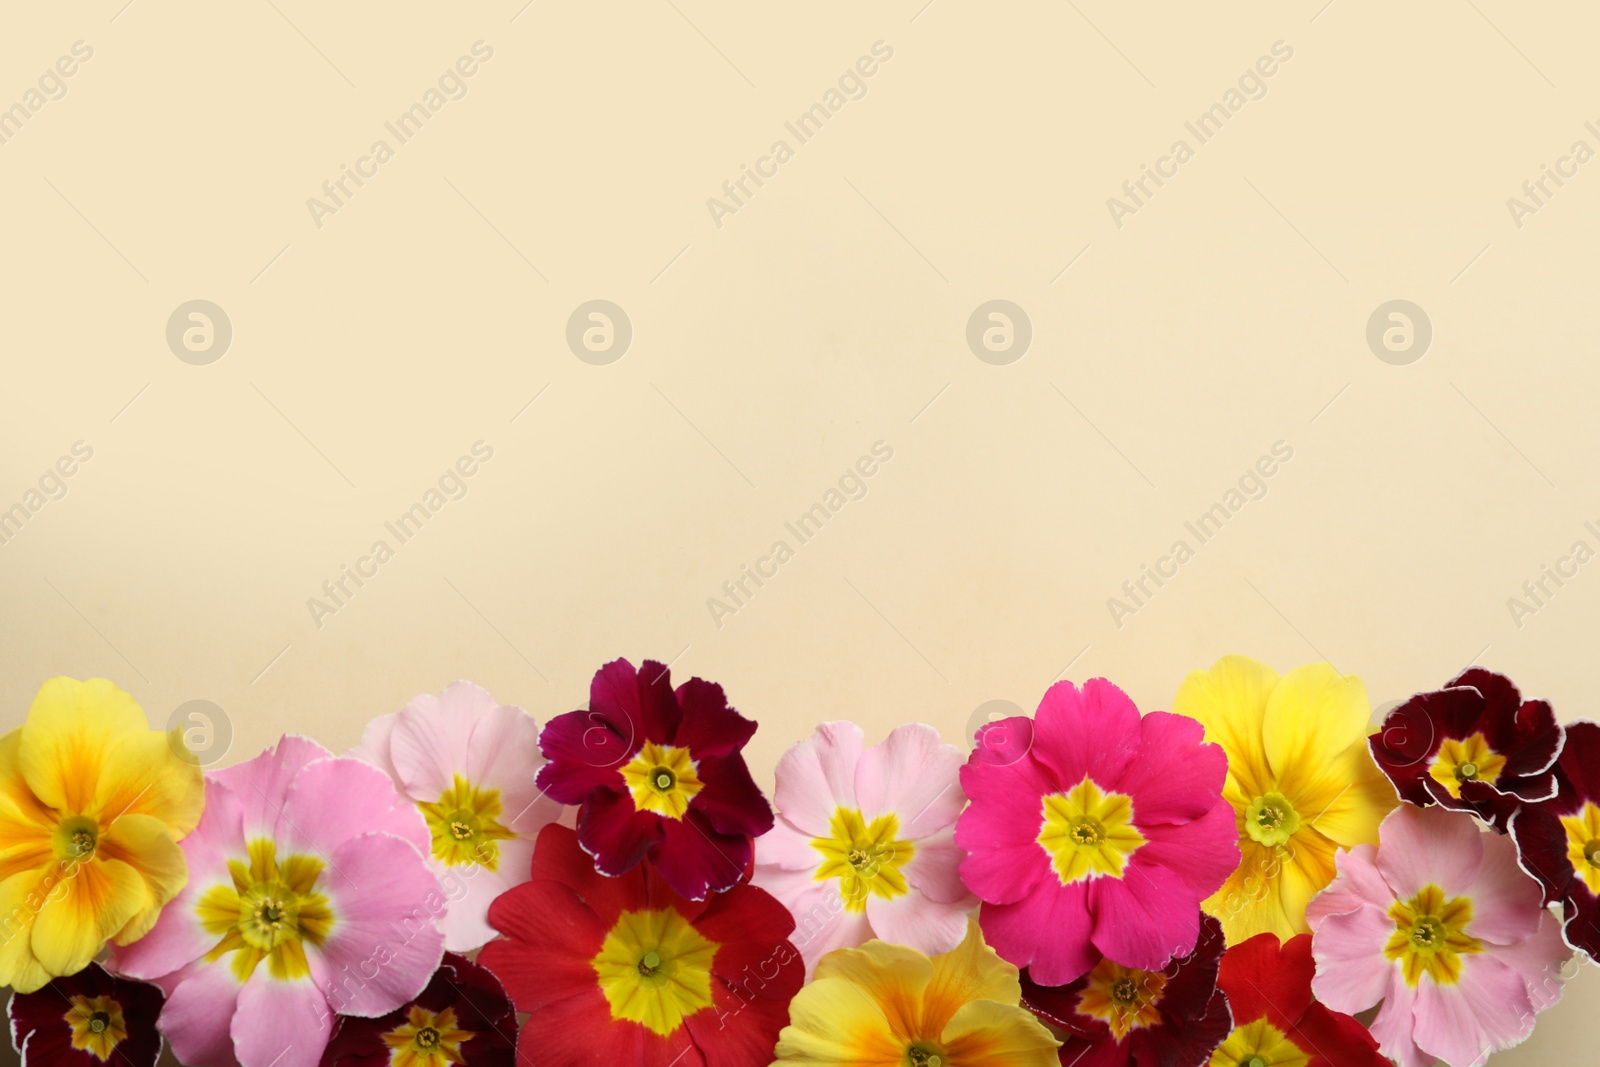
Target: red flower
<point>658,775</point>
<point>624,970</point>
<point>1558,840</point>
<point>1116,1015</point>
<point>86,1020</point>
<point>462,1017</point>
<point>1274,1018</point>
<point>1474,745</point>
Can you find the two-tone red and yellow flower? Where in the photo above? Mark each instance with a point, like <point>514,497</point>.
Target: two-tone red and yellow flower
<point>92,805</point>
<point>87,1020</point>
<point>463,1018</point>
<point>1276,1022</point>
<point>1558,840</point>
<point>627,970</point>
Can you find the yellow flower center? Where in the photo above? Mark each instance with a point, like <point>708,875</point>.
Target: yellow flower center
<point>1583,844</point>
<point>426,1039</point>
<point>1430,936</point>
<point>76,839</point>
<point>1259,1044</point>
<point>463,825</point>
<point>1271,819</point>
<point>97,1025</point>
<point>867,859</point>
<point>662,779</point>
<point>270,912</point>
<point>1468,760</point>
<point>1123,998</point>
<point>923,1055</point>
<point>655,969</point>
<point>1088,832</point>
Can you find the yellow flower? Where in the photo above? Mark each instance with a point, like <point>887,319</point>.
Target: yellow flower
<point>1300,779</point>
<point>92,804</point>
<point>886,1005</point>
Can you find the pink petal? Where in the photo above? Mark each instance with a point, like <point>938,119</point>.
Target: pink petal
<point>917,922</point>
<point>823,924</point>
<point>197,1013</point>
<point>334,800</point>
<point>1008,875</point>
<point>1352,971</point>
<point>1176,777</point>
<point>1007,806</point>
<point>1144,919</point>
<point>1429,846</point>
<point>786,884</point>
<point>471,888</point>
<point>912,775</point>
<point>1048,931</point>
<point>1539,961</point>
<point>935,869</point>
<point>280,1024</point>
<point>1201,853</point>
<point>1356,882</point>
<point>262,783</point>
<point>818,776</point>
<point>1093,731</point>
<point>430,742</point>
<point>1486,1011</point>
<point>787,848</point>
<point>1394,1025</point>
<point>374,746</point>
<point>503,753</point>
<point>1507,903</point>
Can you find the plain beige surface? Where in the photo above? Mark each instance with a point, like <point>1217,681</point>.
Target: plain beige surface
<point>1228,312</point>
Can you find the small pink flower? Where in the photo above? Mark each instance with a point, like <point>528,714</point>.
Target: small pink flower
<point>307,897</point>
<point>1440,924</point>
<point>1094,831</point>
<point>864,843</point>
<point>469,764</point>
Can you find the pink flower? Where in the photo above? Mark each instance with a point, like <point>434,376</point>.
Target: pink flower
<point>307,897</point>
<point>864,842</point>
<point>469,764</point>
<point>1439,924</point>
<point>1094,832</point>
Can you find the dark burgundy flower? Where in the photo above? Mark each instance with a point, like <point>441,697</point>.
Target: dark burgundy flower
<point>86,1020</point>
<point>1115,1015</point>
<point>1558,840</point>
<point>1275,1019</point>
<point>462,1017</point>
<point>658,774</point>
<point>1474,745</point>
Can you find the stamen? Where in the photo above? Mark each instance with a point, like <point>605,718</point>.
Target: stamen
<point>427,1037</point>
<point>650,964</point>
<point>1123,991</point>
<point>859,859</point>
<point>1086,833</point>
<point>921,1057</point>
<point>1591,852</point>
<point>662,779</point>
<point>1255,1061</point>
<point>83,843</point>
<point>460,831</point>
<point>99,1021</point>
<point>1467,771</point>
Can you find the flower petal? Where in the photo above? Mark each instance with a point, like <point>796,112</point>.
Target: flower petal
<point>1429,846</point>
<point>914,776</point>
<point>91,903</point>
<point>586,751</point>
<point>709,727</point>
<point>143,774</point>
<point>333,800</point>
<point>1394,1025</point>
<point>988,1033</point>
<point>1093,731</point>
<point>503,753</point>
<point>374,746</point>
<point>1352,971</point>
<point>70,729</point>
<point>913,920</point>
<point>280,1024</point>
<point>1230,701</point>
<point>430,741</point>
<point>817,776</point>
<point>19,896</point>
<point>1177,777</point>
<point>696,859</point>
<point>145,844</point>
<point>935,870</point>
<point>1047,931</point>
<point>1486,1011</point>
<point>1507,904</point>
<point>1356,881</point>
<point>1315,711</point>
<point>197,1015</point>
<point>261,783</point>
<point>1144,919</point>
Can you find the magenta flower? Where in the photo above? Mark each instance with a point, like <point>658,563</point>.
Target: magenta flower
<point>307,897</point>
<point>1093,832</point>
<point>1559,839</point>
<point>864,843</point>
<point>658,775</point>
<point>1440,925</point>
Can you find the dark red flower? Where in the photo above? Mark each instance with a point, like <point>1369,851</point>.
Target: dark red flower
<point>658,774</point>
<point>1275,1019</point>
<point>624,970</point>
<point>462,1017</point>
<point>1558,840</point>
<point>1474,745</point>
<point>1116,1015</point>
<point>86,1020</point>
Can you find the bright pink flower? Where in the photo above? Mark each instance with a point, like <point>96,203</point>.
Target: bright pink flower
<point>864,843</point>
<point>1093,832</point>
<point>307,896</point>
<point>469,764</point>
<point>1440,924</point>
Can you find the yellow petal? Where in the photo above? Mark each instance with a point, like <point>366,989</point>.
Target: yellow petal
<point>833,1024</point>
<point>970,971</point>
<point>94,901</point>
<point>145,844</point>
<point>1249,902</point>
<point>1314,714</point>
<point>892,976</point>
<point>986,1033</point>
<point>70,729</point>
<point>1364,796</point>
<point>26,825</point>
<point>1230,701</point>
<point>18,908</point>
<point>1306,871</point>
<point>144,775</point>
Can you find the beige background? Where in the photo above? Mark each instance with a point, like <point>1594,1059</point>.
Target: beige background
<point>769,354</point>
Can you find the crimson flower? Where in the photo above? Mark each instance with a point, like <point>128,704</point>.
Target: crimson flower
<point>86,1020</point>
<point>463,1017</point>
<point>658,774</point>
<point>1275,1019</point>
<point>1558,840</point>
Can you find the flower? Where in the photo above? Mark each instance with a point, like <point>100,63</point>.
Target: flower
<point>1474,745</point>
<point>1440,925</point>
<point>308,897</point>
<point>1300,781</point>
<point>1115,1015</point>
<point>1559,840</point>
<point>1093,832</point>
<point>626,970</point>
<point>864,843</point>
<point>463,1017</point>
<point>92,804</point>
<point>85,1020</point>
<point>889,1005</point>
<point>1275,1020</point>
<point>659,775</point>
<point>468,763</point>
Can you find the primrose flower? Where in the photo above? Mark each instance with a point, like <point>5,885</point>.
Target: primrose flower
<point>86,1020</point>
<point>1559,839</point>
<point>308,897</point>
<point>658,775</point>
<point>1439,924</point>
<point>885,1004</point>
<point>462,1018</point>
<point>864,844</point>
<point>92,804</point>
<point>1276,1023</point>
<point>1300,780</point>
<point>469,765</point>
<point>1093,832</point>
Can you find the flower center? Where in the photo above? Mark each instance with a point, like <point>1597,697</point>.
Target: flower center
<point>923,1056</point>
<point>1124,998</point>
<point>662,779</point>
<point>463,825</point>
<point>867,859</point>
<point>77,838</point>
<point>427,1039</point>
<point>270,912</point>
<point>1430,936</point>
<point>1468,760</point>
<point>1088,832</point>
<point>1259,1044</point>
<point>654,969</point>
<point>1271,820</point>
<point>1583,844</point>
<point>97,1025</point>
<point>1591,852</point>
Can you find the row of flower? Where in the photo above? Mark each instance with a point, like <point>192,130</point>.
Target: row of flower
<point>1225,884</point>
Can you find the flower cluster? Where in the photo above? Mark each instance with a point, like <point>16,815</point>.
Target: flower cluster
<point>1227,884</point>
